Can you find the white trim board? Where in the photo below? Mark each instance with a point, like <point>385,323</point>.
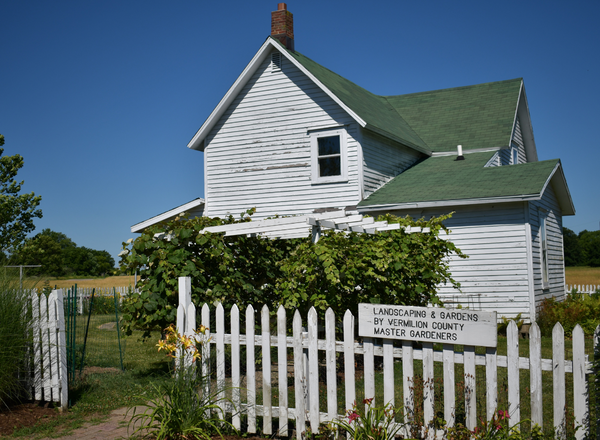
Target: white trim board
<point>139,227</point>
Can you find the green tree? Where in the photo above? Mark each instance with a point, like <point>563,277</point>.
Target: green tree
<point>573,252</point>
<point>590,244</point>
<point>17,211</point>
<point>43,250</point>
<point>59,255</point>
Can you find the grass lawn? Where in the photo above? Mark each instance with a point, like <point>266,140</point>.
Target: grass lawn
<point>582,275</point>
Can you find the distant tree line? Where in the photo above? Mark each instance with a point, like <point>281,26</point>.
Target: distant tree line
<point>59,256</point>
<point>582,249</point>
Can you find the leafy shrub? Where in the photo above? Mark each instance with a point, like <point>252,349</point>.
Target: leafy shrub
<point>339,271</point>
<point>15,337</point>
<point>576,309</point>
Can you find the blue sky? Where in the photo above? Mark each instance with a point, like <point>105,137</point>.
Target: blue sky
<point>102,97</point>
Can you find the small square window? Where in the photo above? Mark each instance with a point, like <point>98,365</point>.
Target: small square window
<point>328,156</point>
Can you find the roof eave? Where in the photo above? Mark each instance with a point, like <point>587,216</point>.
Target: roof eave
<point>448,203</point>
<point>561,190</point>
<point>197,142</point>
<point>139,227</point>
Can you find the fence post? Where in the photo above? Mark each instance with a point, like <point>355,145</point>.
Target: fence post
<point>512,342</point>
<point>597,381</point>
<point>428,385</point>
<point>313,367</point>
<point>449,391</point>
<point>205,321</point>
<point>491,379</point>
<point>470,386</point>
<point>558,379</point>
<point>299,379</point>
<point>266,371</point>
<point>535,374</point>
<point>62,352</point>
<point>220,365</point>
<point>282,371</point>
<point>235,367</point>
<point>349,372</point>
<point>330,364</point>
<point>580,395</point>
<point>407,380</point>
<point>250,370</point>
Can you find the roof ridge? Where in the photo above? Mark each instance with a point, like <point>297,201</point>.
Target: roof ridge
<point>454,88</point>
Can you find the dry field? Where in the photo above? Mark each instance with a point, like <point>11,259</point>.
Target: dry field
<point>583,275</point>
<point>117,281</point>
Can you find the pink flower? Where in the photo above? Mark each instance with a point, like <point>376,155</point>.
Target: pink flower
<point>352,416</point>
<point>503,414</point>
<point>368,401</point>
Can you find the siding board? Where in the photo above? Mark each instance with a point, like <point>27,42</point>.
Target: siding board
<point>495,275</point>
<point>383,160</point>
<point>261,147</point>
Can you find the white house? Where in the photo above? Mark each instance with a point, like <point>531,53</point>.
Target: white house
<point>292,137</point>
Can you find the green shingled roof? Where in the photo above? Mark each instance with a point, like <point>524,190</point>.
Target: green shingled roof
<point>479,116</point>
<point>374,110</point>
<point>443,178</point>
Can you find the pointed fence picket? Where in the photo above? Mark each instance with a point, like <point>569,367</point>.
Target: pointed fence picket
<point>579,288</point>
<point>49,378</point>
<point>298,356</point>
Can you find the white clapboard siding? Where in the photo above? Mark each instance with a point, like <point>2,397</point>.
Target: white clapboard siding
<point>50,381</point>
<point>261,147</point>
<point>304,368</point>
<point>383,160</point>
<point>495,276</point>
<point>555,247</point>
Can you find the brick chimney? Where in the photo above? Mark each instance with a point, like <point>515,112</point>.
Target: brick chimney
<point>282,26</point>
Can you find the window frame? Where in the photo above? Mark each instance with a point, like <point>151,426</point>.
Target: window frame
<point>514,156</point>
<point>314,147</point>
<point>544,256</point>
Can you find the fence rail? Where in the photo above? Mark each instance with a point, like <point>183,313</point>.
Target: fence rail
<point>587,288</point>
<point>305,346</point>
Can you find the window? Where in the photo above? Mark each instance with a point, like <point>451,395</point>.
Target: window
<point>515,155</point>
<point>543,247</point>
<point>328,156</point>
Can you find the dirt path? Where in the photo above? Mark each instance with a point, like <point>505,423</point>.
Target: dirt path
<point>113,428</point>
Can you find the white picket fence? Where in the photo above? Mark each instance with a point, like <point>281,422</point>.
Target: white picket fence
<point>588,288</point>
<point>49,352</point>
<point>306,345</point>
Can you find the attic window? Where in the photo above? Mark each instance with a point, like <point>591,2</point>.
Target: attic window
<point>328,150</point>
<point>276,61</point>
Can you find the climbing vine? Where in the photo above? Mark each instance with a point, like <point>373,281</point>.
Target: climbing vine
<point>339,271</point>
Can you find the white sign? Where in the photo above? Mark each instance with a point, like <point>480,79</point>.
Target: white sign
<point>428,324</point>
